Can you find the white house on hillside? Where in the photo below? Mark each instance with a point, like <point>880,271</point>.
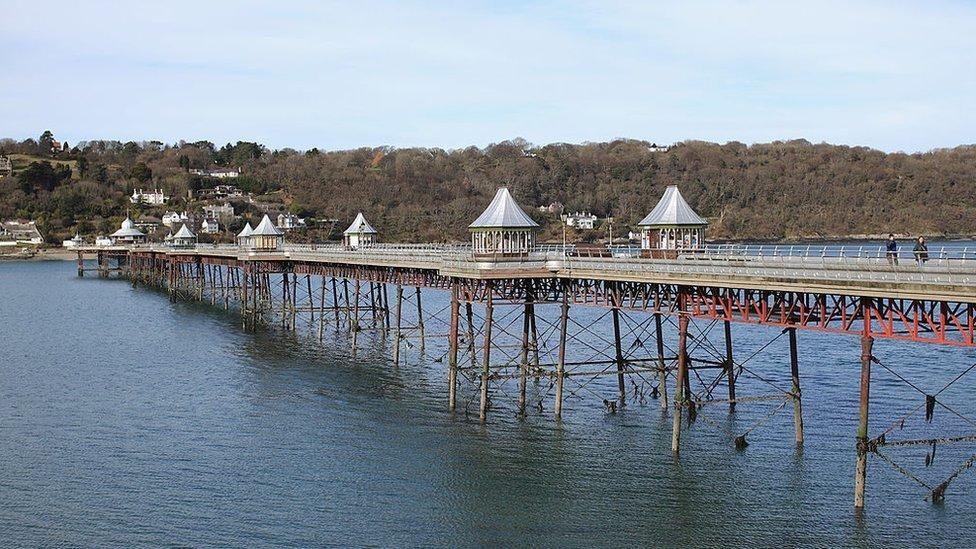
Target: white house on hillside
<point>155,198</point>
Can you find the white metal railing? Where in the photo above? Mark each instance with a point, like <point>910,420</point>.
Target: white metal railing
<point>947,265</point>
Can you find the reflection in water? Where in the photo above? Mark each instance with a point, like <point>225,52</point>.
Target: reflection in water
<point>127,419</point>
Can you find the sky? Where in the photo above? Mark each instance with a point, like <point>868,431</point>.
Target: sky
<point>897,76</point>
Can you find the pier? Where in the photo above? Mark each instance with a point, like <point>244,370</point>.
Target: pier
<point>841,291</point>
<point>514,313</point>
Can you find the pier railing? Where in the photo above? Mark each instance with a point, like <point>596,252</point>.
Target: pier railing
<point>955,265</point>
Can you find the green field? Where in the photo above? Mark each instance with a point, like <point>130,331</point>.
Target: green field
<point>21,161</point>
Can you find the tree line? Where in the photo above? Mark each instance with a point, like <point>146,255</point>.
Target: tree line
<point>779,190</point>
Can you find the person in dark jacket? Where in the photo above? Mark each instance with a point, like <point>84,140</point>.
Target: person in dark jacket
<point>921,250</point>
<point>891,250</point>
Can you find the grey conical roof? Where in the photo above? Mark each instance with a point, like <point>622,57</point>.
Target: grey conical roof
<point>503,212</point>
<point>672,210</point>
<point>360,226</point>
<point>266,228</point>
<point>128,229</point>
<point>184,232</point>
<point>246,231</point>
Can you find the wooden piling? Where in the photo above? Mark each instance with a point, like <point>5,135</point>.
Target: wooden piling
<point>452,355</point>
<point>662,371</point>
<point>469,314</point>
<point>861,464</point>
<point>420,321</point>
<point>486,351</point>
<point>561,365</point>
<point>619,355</point>
<point>729,365</point>
<point>795,374</point>
<point>680,398</point>
<point>81,265</point>
<point>321,308</point>
<point>386,307</point>
<point>524,357</point>
<point>355,315</point>
<point>335,302</point>
<point>396,325</point>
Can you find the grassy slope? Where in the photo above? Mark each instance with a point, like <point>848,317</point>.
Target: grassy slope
<point>21,161</point>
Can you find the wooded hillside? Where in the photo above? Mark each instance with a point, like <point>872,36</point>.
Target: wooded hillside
<point>788,189</point>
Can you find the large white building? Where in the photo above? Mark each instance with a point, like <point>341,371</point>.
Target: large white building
<point>20,232</point>
<point>155,198</point>
<point>581,220</point>
<point>219,173</point>
<point>210,226</point>
<point>289,221</point>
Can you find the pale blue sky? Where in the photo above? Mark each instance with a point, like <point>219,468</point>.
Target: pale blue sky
<point>891,75</point>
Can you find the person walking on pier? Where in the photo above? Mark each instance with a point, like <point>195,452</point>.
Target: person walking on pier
<point>891,250</point>
<point>921,251</point>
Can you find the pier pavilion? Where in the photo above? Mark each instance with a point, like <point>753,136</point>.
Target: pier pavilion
<point>128,234</point>
<point>244,237</point>
<point>360,233</point>
<point>503,229</point>
<point>266,237</point>
<point>672,225</point>
<point>184,238</point>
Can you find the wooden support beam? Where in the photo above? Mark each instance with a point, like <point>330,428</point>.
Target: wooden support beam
<point>396,326</point>
<point>680,398</point>
<point>861,464</point>
<point>729,365</point>
<point>452,355</point>
<point>662,372</point>
<point>795,375</point>
<point>561,366</point>
<point>420,321</point>
<point>486,352</point>
<point>619,355</point>
<point>524,358</point>
<point>469,314</point>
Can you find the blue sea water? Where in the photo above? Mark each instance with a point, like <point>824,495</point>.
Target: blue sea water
<point>127,419</point>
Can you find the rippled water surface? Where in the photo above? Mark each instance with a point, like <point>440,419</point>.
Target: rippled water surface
<point>127,419</point>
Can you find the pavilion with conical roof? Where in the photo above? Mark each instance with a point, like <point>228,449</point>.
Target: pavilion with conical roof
<point>184,238</point>
<point>244,237</point>
<point>266,237</point>
<point>128,233</point>
<point>672,224</point>
<point>360,234</point>
<point>503,229</point>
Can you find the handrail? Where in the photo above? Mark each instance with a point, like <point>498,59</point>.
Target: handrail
<point>947,265</point>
